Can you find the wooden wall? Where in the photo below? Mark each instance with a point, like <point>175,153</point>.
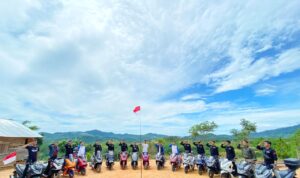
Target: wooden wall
<point>9,145</point>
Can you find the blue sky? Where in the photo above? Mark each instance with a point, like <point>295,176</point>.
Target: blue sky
<point>74,65</point>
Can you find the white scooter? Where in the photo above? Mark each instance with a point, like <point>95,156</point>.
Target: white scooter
<point>188,162</point>
<point>227,168</point>
<point>134,160</point>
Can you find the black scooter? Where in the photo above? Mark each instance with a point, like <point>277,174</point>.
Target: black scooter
<point>35,170</point>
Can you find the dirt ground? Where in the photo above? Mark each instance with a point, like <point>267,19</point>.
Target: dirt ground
<point>129,173</point>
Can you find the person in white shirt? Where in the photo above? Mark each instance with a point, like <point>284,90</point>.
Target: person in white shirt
<point>174,148</point>
<point>145,146</point>
<point>81,150</point>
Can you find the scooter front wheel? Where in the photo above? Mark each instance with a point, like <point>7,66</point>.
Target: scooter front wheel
<point>83,172</point>
<point>56,175</point>
<point>200,170</point>
<point>173,167</point>
<point>123,165</point>
<point>146,165</point>
<point>210,174</point>
<point>158,166</point>
<point>186,169</point>
<point>71,174</point>
<point>98,168</point>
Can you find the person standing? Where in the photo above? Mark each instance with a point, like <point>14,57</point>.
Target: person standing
<point>81,150</point>
<point>160,149</point>
<point>174,148</point>
<point>187,147</point>
<point>247,152</point>
<point>214,152</point>
<point>230,153</point>
<point>135,150</point>
<point>97,147</point>
<point>123,145</point>
<point>200,148</point>
<point>33,150</point>
<point>134,147</point>
<point>53,153</point>
<point>145,147</point>
<point>69,150</point>
<point>110,145</point>
<point>270,156</point>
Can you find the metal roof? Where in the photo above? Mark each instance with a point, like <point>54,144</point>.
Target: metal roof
<point>9,128</point>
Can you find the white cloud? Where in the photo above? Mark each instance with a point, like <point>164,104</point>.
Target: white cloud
<point>265,90</point>
<point>262,69</point>
<point>194,96</point>
<point>95,61</point>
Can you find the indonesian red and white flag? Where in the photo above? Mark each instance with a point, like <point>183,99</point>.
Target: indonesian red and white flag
<point>10,158</point>
<point>137,109</point>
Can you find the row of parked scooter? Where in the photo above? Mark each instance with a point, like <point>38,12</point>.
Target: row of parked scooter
<point>210,165</point>
<point>227,169</point>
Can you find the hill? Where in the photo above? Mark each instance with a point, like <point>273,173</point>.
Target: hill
<point>93,135</point>
<point>275,133</point>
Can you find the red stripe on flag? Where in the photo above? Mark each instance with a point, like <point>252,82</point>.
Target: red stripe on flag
<point>13,154</point>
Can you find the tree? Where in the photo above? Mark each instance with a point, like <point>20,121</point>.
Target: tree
<point>247,128</point>
<point>296,138</point>
<point>27,123</point>
<point>31,127</point>
<point>203,128</point>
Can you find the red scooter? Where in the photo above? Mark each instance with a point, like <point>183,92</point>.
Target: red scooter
<point>81,165</point>
<point>123,159</point>
<point>146,162</point>
<point>175,161</point>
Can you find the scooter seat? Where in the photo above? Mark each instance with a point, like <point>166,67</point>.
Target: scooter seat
<point>292,163</point>
<point>284,173</point>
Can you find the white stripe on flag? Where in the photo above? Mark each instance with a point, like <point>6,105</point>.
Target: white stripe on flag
<point>10,158</point>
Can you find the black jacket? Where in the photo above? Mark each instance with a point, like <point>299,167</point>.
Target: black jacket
<point>110,147</point>
<point>214,150</point>
<point>97,148</point>
<point>123,146</point>
<point>200,148</point>
<point>187,147</point>
<point>270,155</point>
<point>69,150</point>
<point>135,148</point>
<point>230,153</point>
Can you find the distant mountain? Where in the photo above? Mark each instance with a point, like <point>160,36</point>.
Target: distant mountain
<point>93,135</point>
<point>275,133</point>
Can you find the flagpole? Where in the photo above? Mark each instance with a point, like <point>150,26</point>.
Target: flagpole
<point>141,146</point>
<point>136,110</point>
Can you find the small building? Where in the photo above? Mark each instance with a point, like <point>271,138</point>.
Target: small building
<point>12,136</point>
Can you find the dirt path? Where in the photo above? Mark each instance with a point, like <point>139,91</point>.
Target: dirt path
<point>129,173</point>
